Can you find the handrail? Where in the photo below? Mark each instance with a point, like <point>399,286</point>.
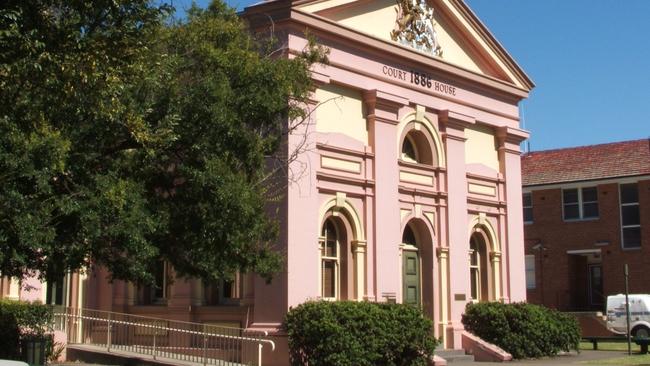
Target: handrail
<point>172,339</point>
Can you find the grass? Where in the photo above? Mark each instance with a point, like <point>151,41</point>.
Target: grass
<point>609,346</point>
<point>634,360</point>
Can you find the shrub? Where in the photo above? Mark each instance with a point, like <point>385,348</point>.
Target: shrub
<point>21,320</point>
<point>324,333</point>
<point>523,330</point>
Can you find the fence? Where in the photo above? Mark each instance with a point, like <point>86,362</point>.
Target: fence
<point>161,338</point>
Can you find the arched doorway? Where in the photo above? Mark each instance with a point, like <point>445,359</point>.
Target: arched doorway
<point>411,268</point>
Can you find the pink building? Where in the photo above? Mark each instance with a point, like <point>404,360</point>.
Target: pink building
<point>409,189</point>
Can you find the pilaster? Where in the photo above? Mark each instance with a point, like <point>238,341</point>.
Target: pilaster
<point>513,247</point>
<point>453,125</point>
<point>383,110</point>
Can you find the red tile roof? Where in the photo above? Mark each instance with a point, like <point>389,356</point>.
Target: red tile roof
<point>617,159</point>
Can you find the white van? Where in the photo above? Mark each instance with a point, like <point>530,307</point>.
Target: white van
<point>639,314</point>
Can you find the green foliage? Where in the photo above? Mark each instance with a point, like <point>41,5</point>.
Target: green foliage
<point>358,333</point>
<point>524,330</point>
<point>126,138</point>
<point>19,321</point>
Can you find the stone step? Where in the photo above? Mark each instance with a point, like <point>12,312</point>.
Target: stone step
<point>454,355</point>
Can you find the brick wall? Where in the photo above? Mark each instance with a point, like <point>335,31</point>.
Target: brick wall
<point>559,277</point>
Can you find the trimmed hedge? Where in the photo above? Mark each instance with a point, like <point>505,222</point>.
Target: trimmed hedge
<point>21,320</point>
<point>523,330</point>
<point>325,333</point>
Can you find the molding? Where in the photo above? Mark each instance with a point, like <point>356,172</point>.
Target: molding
<point>585,183</point>
<point>342,150</point>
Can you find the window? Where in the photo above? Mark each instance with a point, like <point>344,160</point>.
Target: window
<point>417,147</point>
<point>54,292</point>
<point>580,203</point>
<point>530,272</point>
<point>330,261</point>
<point>478,268</point>
<point>156,293</point>
<point>630,216</point>
<point>528,207</point>
<point>408,150</point>
<point>222,292</point>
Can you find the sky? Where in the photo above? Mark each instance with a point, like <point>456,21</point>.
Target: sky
<point>589,59</point>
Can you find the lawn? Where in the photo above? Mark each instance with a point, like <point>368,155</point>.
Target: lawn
<point>635,360</point>
<point>610,346</point>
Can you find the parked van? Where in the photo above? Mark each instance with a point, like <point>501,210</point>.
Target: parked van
<point>639,314</point>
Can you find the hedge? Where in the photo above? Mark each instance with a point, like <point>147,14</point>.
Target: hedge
<point>21,320</point>
<point>326,333</point>
<point>523,330</point>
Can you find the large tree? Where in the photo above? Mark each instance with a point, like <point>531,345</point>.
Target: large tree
<point>127,137</point>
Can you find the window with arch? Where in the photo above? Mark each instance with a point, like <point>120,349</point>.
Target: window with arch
<point>330,261</point>
<point>478,268</point>
<point>418,147</point>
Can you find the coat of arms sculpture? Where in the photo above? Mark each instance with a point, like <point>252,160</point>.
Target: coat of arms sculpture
<point>416,27</point>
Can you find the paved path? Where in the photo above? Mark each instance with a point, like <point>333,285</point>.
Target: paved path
<point>569,359</point>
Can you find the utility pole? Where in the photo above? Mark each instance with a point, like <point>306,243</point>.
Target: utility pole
<point>627,311</point>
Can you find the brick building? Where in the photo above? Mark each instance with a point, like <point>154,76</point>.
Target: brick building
<point>587,214</point>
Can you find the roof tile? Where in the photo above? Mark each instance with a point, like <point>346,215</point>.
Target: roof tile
<point>617,159</point>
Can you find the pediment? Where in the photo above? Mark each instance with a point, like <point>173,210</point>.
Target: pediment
<point>444,29</point>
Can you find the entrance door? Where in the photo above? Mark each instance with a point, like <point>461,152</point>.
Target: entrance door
<point>596,298</point>
<point>411,277</point>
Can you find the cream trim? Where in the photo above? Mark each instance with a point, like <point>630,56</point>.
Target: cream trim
<point>340,164</point>
<point>415,178</point>
<point>482,189</point>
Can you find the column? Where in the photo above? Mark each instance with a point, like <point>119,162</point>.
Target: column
<point>459,286</point>
<point>495,260</point>
<point>513,247</point>
<point>359,253</point>
<point>383,109</point>
<point>443,260</point>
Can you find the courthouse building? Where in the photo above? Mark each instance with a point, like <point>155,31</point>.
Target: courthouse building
<point>587,215</point>
<point>410,188</point>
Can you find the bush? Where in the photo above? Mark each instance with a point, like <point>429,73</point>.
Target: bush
<point>21,320</point>
<point>523,330</point>
<point>325,333</point>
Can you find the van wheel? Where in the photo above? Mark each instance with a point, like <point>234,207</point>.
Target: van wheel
<point>641,332</point>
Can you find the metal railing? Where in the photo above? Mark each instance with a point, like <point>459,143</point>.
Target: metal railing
<point>192,343</point>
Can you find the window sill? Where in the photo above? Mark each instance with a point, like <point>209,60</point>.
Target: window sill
<point>631,249</point>
<point>582,220</point>
<point>528,222</point>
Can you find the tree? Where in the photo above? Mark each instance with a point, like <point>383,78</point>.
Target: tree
<point>127,138</point>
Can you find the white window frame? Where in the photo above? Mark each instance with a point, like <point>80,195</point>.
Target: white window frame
<point>621,205</point>
<point>475,274</point>
<point>531,206</point>
<point>337,267</point>
<point>530,271</point>
<point>581,203</point>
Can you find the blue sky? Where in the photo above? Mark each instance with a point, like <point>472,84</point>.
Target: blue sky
<point>589,59</point>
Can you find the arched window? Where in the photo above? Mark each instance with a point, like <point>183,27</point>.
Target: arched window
<point>409,152</point>
<point>478,268</point>
<point>411,276</point>
<point>330,261</point>
<point>417,147</point>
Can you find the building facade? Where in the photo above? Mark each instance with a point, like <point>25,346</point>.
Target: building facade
<point>409,189</point>
<point>587,214</point>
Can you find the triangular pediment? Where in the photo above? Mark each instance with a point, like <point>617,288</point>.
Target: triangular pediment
<point>462,39</point>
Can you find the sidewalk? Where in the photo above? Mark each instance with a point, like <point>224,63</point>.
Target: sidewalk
<point>568,359</point>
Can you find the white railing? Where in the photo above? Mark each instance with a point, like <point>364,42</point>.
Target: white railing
<point>192,343</point>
